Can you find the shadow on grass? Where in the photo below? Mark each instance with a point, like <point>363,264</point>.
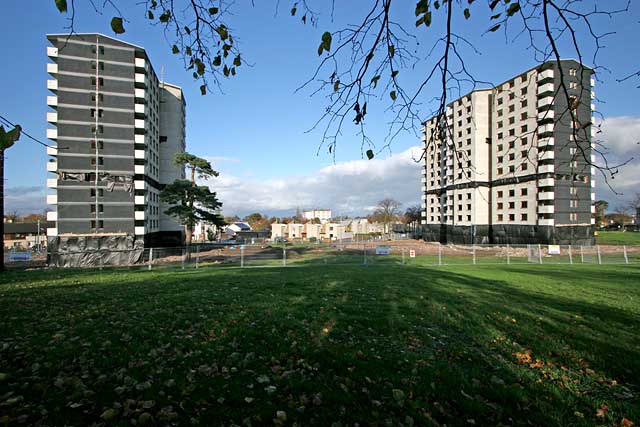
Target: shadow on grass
<point>347,344</point>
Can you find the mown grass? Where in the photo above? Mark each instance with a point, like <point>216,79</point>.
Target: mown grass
<point>378,345</point>
<point>618,238</point>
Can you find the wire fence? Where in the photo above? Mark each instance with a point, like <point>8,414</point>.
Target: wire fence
<point>411,253</point>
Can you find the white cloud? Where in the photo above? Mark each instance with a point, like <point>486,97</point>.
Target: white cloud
<point>25,200</point>
<point>620,138</point>
<point>348,188</point>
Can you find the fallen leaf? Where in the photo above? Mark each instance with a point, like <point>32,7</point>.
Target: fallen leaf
<point>626,423</point>
<point>602,411</point>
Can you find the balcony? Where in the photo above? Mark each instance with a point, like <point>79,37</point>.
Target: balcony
<point>52,151</point>
<point>138,169</point>
<point>544,142</point>
<point>593,209</point>
<point>423,206</point>
<point>139,231</point>
<point>52,69</point>
<point>548,195</point>
<point>549,222</point>
<point>138,154</point>
<point>138,185</point>
<point>52,231</point>
<point>52,117</point>
<point>593,159</point>
<point>138,215</point>
<point>140,79</point>
<point>548,128</point>
<point>52,101</point>
<point>52,133</point>
<point>140,108</point>
<point>593,82</point>
<point>593,197</point>
<point>52,85</point>
<point>546,155</point>
<point>139,123</point>
<point>546,74</point>
<point>52,216</point>
<point>546,169</point>
<point>543,102</point>
<point>139,139</point>
<point>140,63</point>
<point>546,209</point>
<point>545,115</point>
<point>139,200</point>
<point>52,166</point>
<point>546,88</point>
<point>423,180</point>
<point>593,107</point>
<point>52,52</point>
<point>52,199</point>
<point>546,182</point>
<point>52,183</point>
<point>140,93</point>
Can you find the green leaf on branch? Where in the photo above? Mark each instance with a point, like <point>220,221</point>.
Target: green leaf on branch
<point>222,32</point>
<point>374,81</point>
<point>436,4</point>
<point>293,11</point>
<point>117,25</point>
<point>188,51</point>
<point>515,7</point>
<point>467,14</point>
<point>422,7</point>
<point>213,10</point>
<point>392,51</point>
<point>496,16</point>
<point>225,71</point>
<point>187,30</point>
<point>326,41</point>
<point>493,4</point>
<point>175,50</point>
<point>61,5</point>
<point>236,61</point>
<point>203,89</point>
<point>393,95</point>
<point>336,85</point>
<point>494,28</point>
<point>217,61</point>
<point>200,67</point>
<point>166,15</point>
<point>394,74</point>
<point>370,154</point>
<point>150,14</point>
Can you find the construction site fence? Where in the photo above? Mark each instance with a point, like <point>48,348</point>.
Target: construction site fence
<point>404,252</point>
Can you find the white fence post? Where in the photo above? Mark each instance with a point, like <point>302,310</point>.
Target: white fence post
<point>402,256</point>
<point>241,256</point>
<point>599,256</point>
<point>508,254</point>
<point>474,254</point>
<point>624,251</point>
<point>364,248</point>
<point>150,257</point>
<point>184,255</point>
<point>570,256</point>
<point>539,254</point>
<point>284,256</point>
<point>197,256</point>
<point>581,254</point>
<point>439,253</point>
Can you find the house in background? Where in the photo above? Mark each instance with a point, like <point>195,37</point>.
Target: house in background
<point>324,215</point>
<point>25,235</point>
<point>236,227</point>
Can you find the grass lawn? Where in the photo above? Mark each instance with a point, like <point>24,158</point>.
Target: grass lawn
<point>618,238</point>
<point>380,345</point>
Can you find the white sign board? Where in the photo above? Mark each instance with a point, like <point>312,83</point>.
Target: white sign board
<point>554,250</point>
<point>412,253</point>
<point>383,250</point>
<point>19,256</point>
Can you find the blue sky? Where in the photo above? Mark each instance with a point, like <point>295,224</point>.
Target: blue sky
<point>255,131</point>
